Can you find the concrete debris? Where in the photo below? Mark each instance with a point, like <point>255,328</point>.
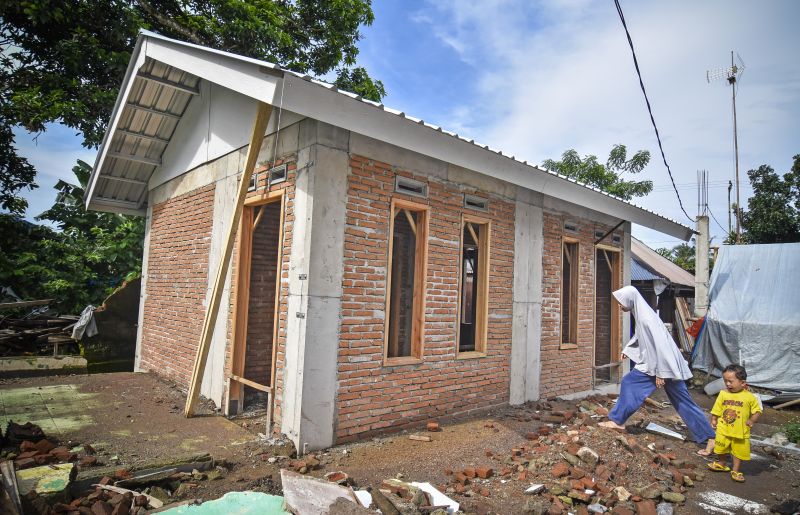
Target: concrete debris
<point>534,489</point>
<point>663,431</point>
<point>312,496</point>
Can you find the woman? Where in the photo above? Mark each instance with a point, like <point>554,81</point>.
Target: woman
<point>658,364</point>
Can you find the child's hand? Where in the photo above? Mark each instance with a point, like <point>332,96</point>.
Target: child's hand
<point>714,423</point>
<point>749,423</point>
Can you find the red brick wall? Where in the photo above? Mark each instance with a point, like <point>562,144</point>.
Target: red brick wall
<point>177,281</point>
<point>372,397</point>
<point>566,370</point>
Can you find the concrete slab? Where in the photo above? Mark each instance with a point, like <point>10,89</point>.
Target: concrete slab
<point>238,503</point>
<point>56,409</point>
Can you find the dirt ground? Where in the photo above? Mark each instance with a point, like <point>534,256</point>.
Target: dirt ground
<point>135,419</point>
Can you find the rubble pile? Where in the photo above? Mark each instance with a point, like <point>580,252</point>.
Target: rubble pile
<point>37,335</point>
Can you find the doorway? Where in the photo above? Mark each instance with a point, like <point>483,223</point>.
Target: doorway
<point>252,373</point>
<point>606,316</point>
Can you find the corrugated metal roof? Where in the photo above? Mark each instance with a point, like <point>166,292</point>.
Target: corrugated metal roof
<point>173,102</point>
<point>660,265</point>
<point>639,272</point>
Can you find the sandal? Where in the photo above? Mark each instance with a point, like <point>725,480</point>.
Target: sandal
<point>704,453</point>
<point>718,467</point>
<point>737,476</point>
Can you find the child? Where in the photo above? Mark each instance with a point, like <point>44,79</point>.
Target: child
<point>734,413</point>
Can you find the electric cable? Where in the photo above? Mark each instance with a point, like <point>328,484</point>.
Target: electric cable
<point>715,219</point>
<point>649,108</point>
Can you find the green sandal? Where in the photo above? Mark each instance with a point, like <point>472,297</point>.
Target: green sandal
<point>737,476</point>
<point>718,467</point>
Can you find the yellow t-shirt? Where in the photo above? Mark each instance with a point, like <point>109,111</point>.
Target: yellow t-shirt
<point>732,411</point>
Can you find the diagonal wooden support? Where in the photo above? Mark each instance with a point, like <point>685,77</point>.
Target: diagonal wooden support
<point>212,311</point>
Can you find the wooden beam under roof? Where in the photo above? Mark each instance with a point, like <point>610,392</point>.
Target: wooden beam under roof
<point>168,83</point>
<point>138,159</point>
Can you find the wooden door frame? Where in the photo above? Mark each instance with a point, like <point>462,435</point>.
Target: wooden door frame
<point>241,301</point>
<point>616,315</point>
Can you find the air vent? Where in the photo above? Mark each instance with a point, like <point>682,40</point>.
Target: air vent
<point>473,202</point>
<point>616,238</point>
<point>571,227</point>
<point>410,187</point>
<point>277,174</point>
<point>253,182</point>
<point>599,234</point>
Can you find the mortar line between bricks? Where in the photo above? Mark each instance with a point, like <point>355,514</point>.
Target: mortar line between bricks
<point>50,413</point>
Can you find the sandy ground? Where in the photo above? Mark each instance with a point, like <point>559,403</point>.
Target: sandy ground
<point>134,419</point>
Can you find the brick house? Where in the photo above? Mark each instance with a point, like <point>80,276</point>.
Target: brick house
<point>385,271</point>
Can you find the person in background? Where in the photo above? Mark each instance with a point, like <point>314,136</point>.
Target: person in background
<point>659,364</point>
<point>734,413</point>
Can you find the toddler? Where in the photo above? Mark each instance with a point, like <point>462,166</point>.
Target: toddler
<point>734,413</point>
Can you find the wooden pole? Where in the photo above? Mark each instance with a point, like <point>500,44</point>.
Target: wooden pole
<point>212,311</point>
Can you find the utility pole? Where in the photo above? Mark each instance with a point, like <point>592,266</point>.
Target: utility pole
<point>730,187</point>
<point>731,75</point>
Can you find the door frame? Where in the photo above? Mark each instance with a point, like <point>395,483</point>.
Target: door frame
<point>616,315</point>
<point>241,300</point>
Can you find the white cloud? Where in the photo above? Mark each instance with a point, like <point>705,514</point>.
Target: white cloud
<point>553,75</point>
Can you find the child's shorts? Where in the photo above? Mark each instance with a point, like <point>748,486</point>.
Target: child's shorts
<point>739,447</point>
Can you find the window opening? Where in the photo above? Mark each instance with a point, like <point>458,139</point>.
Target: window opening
<point>569,293</point>
<point>474,286</point>
<point>407,281</point>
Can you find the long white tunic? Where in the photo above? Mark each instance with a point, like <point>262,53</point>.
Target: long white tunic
<point>651,347</point>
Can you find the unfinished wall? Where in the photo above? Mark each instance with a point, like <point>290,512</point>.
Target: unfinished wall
<point>177,278</point>
<point>373,397</point>
<point>569,369</point>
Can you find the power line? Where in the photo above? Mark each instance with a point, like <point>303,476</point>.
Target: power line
<point>715,219</point>
<point>649,109</point>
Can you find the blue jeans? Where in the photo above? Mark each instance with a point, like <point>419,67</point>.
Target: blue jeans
<point>637,386</point>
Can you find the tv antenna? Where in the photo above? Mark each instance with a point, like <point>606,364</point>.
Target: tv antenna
<point>732,74</point>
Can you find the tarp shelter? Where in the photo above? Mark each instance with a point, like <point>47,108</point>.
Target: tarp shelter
<point>754,312</point>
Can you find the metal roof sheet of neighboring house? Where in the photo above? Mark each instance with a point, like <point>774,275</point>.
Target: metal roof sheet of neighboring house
<point>659,264</point>
<point>639,272</point>
<point>164,74</point>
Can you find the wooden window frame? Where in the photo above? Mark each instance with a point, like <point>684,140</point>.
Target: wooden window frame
<point>616,311</point>
<point>482,300</point>
<point>241,297</point>
<point>574,295</point>
<point>420,281</point>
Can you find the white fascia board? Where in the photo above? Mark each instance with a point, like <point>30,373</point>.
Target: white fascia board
<point>121,207</point>
<point>137,60</point>
<point>248,77</point>
<point>306,98</point>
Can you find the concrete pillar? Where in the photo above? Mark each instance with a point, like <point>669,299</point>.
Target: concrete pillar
<point>701,268</point>
<point>526,330</point>
<point>143,292</point>
<point>626,280</point>
<point>316,267</point>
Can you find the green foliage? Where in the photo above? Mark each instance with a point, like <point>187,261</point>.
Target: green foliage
<point>606,177</point>
<point>792,430</point>
<point>682,255</point>
<point>62,61</point>
<point>80,264</point>
<point>773,212</point>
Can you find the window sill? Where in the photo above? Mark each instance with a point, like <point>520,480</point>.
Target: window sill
<point>568,346</point>
<point>470,355</point>
<point>396,362</point>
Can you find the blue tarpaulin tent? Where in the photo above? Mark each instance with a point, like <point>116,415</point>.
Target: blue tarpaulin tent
<point>754,315</point>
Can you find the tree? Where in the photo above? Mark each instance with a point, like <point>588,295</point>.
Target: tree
<point>78,265</point>
<point>682,255</point>
<point>606,177</point>
<point>63,60</point>
<point>773,212</point>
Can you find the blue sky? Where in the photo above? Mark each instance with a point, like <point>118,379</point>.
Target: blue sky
<point>535,78</point>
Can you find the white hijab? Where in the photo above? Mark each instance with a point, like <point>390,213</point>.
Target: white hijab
<point>651,347</point>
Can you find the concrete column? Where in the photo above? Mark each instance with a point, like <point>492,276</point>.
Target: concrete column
<point>316,268</point>
<point>143,292</point>
<point>701,268</point>
<point>527,307</point>
<point>626,280</point>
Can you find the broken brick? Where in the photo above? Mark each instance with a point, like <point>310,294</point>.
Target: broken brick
<point>88,461</point>
<point>646,507</point>
<point>461,478</point>
<point>484,472</point>
<point>469,472</point>
<point>44,445</point>
<point>433,427</point>
<point>484,492</point>
<point>560,470</point>
<point>531,436</point>
<point>102,508</point>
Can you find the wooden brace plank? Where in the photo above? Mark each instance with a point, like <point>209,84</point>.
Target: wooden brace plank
<point>251,384</point>
<point>410,221</point>
<point>473,234</point>
<point>256,139</point>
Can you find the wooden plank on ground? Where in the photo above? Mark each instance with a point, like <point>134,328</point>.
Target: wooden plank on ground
<point>24,304</point>
<point>256,139</point>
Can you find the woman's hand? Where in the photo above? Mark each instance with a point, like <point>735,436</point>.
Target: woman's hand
<point>659,382</point>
